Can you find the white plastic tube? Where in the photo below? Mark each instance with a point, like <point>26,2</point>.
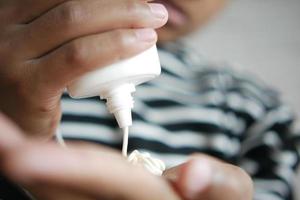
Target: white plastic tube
<point>117,82</point>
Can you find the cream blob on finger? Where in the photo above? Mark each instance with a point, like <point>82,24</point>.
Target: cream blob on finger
<point>153,165</point>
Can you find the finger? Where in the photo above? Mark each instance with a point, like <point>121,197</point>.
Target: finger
<point>74,19</point>
<point>46,192</point>
<point>10,134</point>
<point>206,178</point>
<point>100,175</point>
<point>67,63</point>
<point>24,11</point>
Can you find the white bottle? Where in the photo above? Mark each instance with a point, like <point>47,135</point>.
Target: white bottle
<point>117,82</point>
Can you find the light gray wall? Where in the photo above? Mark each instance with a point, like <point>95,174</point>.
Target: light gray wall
<point>262,37</point>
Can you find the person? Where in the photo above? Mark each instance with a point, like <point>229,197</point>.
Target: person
<point>222,134</point>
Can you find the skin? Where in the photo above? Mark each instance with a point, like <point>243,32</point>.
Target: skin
<point>44,46</point>
<point>87,172</point>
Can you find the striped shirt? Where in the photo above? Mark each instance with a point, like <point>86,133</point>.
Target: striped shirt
<point>200,106</point>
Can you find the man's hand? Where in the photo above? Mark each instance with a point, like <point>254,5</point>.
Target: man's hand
<point>82,172</point>
<point>205,178</point>
<point>86,172</point>
<point>46,44</point>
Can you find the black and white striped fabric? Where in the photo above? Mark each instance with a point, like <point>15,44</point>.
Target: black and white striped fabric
<point>199,106</point>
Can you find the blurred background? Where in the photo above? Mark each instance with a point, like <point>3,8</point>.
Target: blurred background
<point>261,37</point>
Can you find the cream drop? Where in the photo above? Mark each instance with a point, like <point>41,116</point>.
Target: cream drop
<point>153,165</point>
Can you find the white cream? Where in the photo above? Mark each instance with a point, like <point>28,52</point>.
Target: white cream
<point>153,165</point>
<point>125,141</point>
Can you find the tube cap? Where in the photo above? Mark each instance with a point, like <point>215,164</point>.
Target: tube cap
<point>123,117</point>
<point>119,102</point>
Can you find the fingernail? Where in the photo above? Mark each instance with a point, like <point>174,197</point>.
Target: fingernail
<point>158,10</point>
<point>146,35</point>
<point>198,178</point>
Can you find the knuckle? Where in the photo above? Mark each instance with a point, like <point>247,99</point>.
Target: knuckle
<point>70,13</point>
<point>121,43</point>
<point>76,55</point>
<point>137,12</point>
<point>132,6</point>
<point>120,39</point>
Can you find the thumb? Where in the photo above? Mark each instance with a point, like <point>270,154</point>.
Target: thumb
<point>206,178</point>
